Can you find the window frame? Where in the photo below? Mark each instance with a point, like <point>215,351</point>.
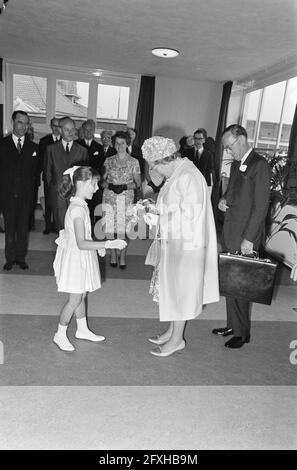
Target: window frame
<point>263,87</point>
<point>54,73</point>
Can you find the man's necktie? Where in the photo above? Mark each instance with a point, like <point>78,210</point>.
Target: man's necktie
<point>19,145</point>
<point>67,148</point>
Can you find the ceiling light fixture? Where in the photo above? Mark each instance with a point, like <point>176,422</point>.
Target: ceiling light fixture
<point>165,53</point>
<point>3,5</point>
<point>97,74</point>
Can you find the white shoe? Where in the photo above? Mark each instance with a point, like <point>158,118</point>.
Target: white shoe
<point>89,336</point>
<point>63,343</point>
<point>159,339</point>
<point>159,353</point>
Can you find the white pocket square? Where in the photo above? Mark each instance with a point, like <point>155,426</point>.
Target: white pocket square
<point>34,154</point>
<point>95,153</point>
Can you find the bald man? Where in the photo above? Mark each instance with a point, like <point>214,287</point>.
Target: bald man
<point>58,158</point>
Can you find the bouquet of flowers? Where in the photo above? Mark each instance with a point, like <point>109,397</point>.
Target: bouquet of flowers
<point>144,208</point>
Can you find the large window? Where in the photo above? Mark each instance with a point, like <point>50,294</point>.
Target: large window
<point>268,115</point>
<point>44,92</point>
<point>113,102</point>
<point>112,107</point>
<point>29,94</point>
<point>72,100</point>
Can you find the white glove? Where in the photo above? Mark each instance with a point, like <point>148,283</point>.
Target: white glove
<point>115,244</point>
<point>294,273</point>
<point>150,219</point>
<point>102,252</point>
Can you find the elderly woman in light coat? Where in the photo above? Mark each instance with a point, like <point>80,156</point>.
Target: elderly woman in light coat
<point>186,273</point>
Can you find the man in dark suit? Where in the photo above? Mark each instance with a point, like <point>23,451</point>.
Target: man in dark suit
<point>44,142</point>
<point>245,204</point>
<point>201,157</point>
<point>136,151</point>
<point>59,157</point>
<point>96,160</point>
<point>108,149</point>
<point>95,150</point>
<point>18,170</point>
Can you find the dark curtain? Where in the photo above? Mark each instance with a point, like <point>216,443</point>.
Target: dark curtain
<point>291,183</point>
<point>1,105</point>
<point>218,149</point>
<point>221,126</point>
<point>292,151</point>
<point>145,110</point>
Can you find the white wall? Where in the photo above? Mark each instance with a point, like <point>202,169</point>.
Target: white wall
<point>181,106</point>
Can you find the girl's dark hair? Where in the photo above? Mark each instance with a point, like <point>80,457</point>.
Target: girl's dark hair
<point>121,135</point>
<point>83,173</point>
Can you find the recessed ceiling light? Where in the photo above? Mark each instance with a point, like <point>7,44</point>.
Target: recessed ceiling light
<point>165,53</point>
<point>97,74</point>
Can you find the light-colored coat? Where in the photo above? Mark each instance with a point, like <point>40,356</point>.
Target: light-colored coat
<point>189,260</point>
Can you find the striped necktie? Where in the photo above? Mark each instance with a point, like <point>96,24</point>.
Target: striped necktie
<point>19,145</point>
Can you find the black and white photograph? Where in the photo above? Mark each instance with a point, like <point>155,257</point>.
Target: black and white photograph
<point>148,228</point>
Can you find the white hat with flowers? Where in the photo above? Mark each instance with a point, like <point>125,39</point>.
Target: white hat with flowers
<point>157,148</point>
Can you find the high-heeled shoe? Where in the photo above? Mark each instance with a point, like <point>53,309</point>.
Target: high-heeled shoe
<point>157,339</point>
<point>159,353</point>
<point>123,266</point>
<point>113,264</point>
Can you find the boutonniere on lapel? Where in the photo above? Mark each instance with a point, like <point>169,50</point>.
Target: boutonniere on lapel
<point>34,154</point>
<point>242,168</point>
<point>95,153</point>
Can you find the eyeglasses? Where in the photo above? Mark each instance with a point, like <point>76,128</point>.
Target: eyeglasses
<point>228,148</point>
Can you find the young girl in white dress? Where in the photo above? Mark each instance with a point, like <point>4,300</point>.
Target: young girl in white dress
<point>76,264</point>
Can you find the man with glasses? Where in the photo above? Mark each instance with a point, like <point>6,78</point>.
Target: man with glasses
<point>202,158</point>
<point>96,161</point>
<point>44,142</point>
<point>245,204</point>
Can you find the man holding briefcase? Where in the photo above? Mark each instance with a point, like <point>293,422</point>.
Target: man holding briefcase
<point>245,204</point>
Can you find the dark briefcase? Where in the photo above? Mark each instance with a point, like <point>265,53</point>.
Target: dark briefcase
<point>246,277</point>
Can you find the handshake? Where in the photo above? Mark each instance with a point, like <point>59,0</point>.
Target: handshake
<point>150,215</point>
<point>117,188</point>
<point>112,245</point>
<point>115,244</point>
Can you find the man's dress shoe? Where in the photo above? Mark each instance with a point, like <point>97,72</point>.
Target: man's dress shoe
<point>8,266</point>
<point>46,231</point>
<point>237,342</point>
<point>22,264</point>
<point>223,331</point>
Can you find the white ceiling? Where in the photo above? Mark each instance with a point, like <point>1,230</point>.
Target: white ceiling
<point>218,39</point>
